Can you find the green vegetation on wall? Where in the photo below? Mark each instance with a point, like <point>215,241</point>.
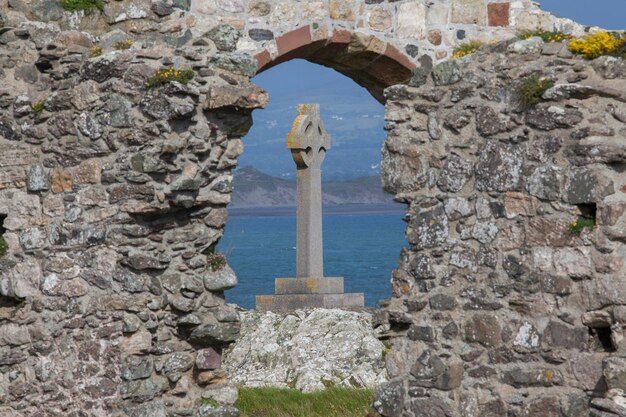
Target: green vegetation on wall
<point>466,48</point>
<point>216,260</point>
<point>167,75</point>
<point>331,402</point>
<point>546,36</point>
<point>582,223</point>
<point>532,88</point>
<point>76,5</point>
<point>4,247</point>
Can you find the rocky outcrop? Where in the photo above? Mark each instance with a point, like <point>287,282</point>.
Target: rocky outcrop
<point>307,350</point>
<point>500,292</point>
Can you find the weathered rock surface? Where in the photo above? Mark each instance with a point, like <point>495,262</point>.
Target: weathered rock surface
<point>499,293</point>
<point>307,350</point>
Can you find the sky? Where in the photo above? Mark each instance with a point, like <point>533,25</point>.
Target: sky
<point>607,14</point>
<point>352,117</point>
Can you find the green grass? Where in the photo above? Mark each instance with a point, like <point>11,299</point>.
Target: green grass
<point>75,5</point>
<point>331,402</point>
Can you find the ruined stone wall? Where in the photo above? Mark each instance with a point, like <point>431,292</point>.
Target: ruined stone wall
<point>499,309</point>
<point>377,43</point>
<point>112,194</point>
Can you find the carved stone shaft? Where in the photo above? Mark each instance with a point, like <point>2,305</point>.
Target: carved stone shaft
<point>308,142</point>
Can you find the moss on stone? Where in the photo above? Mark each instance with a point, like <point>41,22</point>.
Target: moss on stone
<point>4,247</point>
<point>77,5</point>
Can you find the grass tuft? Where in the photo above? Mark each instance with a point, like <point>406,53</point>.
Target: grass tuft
<point>4,247</point>
<point>546,36</point>
<point>216,261</point>
<point>210,401</point>
<point>466,48</point>
<point>76,5</point>
<point>39,107</point>
<point>163,76</point>
<point>122,45</point>
<point>283,402</point>
<point>532,88</point>
<point>580,224</point>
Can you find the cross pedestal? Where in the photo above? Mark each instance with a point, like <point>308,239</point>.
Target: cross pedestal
<point>308,142</point>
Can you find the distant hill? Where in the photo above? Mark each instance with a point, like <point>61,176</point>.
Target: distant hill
<point>253,188</point>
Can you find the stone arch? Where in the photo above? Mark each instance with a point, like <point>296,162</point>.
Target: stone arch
<point>367,59</point>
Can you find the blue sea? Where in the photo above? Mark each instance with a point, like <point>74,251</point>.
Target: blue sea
<point>361,243</point>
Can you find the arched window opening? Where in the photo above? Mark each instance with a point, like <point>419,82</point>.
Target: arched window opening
<point>362,227</point>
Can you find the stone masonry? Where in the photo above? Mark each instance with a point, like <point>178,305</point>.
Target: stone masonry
<point>377,43</point>
<point>113,196</point>
<point>498,309</point>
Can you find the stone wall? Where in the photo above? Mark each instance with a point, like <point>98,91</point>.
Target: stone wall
<point>499,309</point>
<point>113,196</point>
<point>377,43</point>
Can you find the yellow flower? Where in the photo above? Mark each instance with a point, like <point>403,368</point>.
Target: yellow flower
<point>595,45</point>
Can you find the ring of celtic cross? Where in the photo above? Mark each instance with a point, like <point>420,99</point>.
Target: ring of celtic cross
<point>308,139</point>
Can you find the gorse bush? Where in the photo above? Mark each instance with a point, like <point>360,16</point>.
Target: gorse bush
<point>76,5</point>
<point>167,75</point>
<point>599,44</point>
<point>531,89</point>
<point>466,48</point>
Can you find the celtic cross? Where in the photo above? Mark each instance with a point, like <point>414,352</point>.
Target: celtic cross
<point>308,142</point>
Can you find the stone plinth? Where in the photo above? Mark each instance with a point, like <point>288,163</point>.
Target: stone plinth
<point>304,293</point>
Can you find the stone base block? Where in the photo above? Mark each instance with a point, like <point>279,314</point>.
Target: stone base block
<point>309,286</point>
<point>289,302</point>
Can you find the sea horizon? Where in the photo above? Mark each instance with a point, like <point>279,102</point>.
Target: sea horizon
<point>362,243</point>
<point>328,209</point>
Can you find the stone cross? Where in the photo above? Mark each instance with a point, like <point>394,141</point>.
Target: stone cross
<point>308,142</point>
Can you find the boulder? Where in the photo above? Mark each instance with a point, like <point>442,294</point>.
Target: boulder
<point>306,350</point>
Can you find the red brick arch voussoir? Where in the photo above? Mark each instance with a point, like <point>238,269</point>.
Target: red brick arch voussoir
<point>373,69</point>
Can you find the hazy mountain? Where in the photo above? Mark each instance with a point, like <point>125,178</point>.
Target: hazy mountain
<point>253,188</point>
